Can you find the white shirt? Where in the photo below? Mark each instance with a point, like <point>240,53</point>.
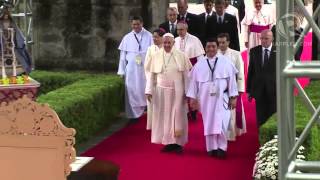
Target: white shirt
<point>208,15</point>
<point>174,25</point>
<point>222,18</point>
<point>212,60</point>
<point>184,16</point>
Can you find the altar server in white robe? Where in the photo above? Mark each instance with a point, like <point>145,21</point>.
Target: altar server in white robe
<point>152,50</point>
<point>238,121</point>
<point>169,70</point>
<point>255,21</point>
<point>192,48</point>
<point>213,83</point>
<point>133,48</point>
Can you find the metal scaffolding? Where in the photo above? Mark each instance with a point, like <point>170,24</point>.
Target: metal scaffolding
<point>22,14</point>
<point>287,71</point>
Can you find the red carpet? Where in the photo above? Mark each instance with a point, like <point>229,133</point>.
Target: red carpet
<point>138,159</point>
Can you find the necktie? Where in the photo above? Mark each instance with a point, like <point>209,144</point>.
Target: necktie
<point>265,57</point>
<point>207,17</point>
<point>172,28</point>
<point>220,20</point>
<point>182,18</point>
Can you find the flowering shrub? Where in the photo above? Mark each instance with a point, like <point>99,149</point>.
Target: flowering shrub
<point>266,166</point>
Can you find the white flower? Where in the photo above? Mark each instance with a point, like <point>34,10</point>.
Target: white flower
<point>266,166</point>
<point>258,176</point>
<point>300,157</point>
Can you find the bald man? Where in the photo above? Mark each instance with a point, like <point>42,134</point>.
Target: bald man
<point>169,69</point>
<point>261,82</point>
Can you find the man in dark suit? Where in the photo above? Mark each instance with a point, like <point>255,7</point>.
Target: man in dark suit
<point>223,23</point>
<point>239,4</point>
<point>170,25</point>
<point>189,18</point>
<point>203,17</point>
<point>261,80</point>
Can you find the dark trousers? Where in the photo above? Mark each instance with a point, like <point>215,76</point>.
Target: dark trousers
<point>266,106</point>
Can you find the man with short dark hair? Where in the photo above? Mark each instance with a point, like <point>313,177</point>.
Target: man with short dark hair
<point>238,123</point>
<point>203,17</point>
<point>223,22</point>
<point>133,48</point>
<point>213,83</point>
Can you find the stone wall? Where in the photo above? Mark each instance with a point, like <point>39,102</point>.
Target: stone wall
<point>85,34</point>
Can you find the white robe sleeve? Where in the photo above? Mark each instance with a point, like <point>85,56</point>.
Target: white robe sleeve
<point>122,63</point>
<point>147,61</point>
<point>245,28</point>
<point>199,57</point>
<point>149,75</point>
<point>150,83</point>
<point>186,79</point>
<point>232,85</point>
<point>245,33</point>
<point>193,85</point>
<point>240,76</point>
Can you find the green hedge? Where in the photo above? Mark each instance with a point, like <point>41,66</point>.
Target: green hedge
<point>312,143</point>
<point>53,80</point>
<point>89,104</point>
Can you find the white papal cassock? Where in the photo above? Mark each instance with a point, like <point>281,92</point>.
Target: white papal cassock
<point>169,79</point>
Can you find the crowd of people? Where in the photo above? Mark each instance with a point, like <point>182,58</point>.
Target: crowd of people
<point>193,63</point>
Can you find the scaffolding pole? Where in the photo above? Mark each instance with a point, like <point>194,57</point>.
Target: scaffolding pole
<point>287,72</point>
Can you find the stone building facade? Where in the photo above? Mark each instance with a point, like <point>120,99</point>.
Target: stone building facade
<point>85,34</point>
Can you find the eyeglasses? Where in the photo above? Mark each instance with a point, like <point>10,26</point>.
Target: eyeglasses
<point>180,29</point>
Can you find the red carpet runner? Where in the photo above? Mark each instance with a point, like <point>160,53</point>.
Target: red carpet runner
<point>138,159</point>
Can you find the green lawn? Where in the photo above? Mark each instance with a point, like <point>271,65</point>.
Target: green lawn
<point>268,130</point>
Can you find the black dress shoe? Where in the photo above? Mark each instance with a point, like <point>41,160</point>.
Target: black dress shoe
<point>168,148</point>
<point>192,115</point>
<point>213,153</point>
<point>133,120</point>
<point>221,154</point>
<point>178,149</point>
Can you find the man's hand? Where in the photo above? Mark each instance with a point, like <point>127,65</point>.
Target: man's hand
<point>178,133</point>
<point>250,98</point>
<point>232,102</point>
<point>246,44</point>
<point>149,97</point>
<point>193,104</point>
